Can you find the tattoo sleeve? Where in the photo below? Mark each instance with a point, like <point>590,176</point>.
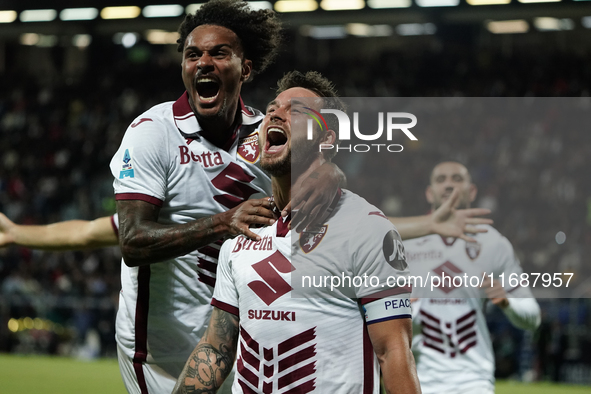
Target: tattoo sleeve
<point>144,241</point>
<point>213,357</point>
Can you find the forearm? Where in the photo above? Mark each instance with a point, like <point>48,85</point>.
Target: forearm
<point>69,235</point>
<point>399,372</point>
<point>414,226</point>
<point>149,242</point>
<point>206,370</point>
<point>212,359</point>
<point>523,313</point>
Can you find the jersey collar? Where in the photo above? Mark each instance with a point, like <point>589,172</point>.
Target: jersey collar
<point>282,223</point>
<point>187,124</point>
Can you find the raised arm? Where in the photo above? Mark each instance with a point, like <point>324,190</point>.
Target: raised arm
<point>69,235</point>
<point>145,241</point>
<point>445,221</point>
<point>391,342</point>
<point>212,359</point>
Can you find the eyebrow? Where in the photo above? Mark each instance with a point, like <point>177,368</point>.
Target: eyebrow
<point>219,46</point>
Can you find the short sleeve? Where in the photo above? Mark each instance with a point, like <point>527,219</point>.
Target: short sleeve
<point>225,294</point>
<point>378,254</point>
<point>140,166</point>
<point>508,262</point>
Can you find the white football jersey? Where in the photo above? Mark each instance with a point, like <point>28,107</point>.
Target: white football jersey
<point>165,307</point>
<point>302,344</point>
<point>452,345</point>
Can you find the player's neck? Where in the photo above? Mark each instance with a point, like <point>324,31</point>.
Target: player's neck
<point>287,184</point>
<point>283,185</point>
<point>219,129</point>
<point>281,190</point>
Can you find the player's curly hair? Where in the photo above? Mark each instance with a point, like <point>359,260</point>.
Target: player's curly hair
<point>259,32</point>
<point>317,83</point>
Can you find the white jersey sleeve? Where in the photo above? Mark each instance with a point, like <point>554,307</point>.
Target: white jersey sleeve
<point>378,255</point>
<point>141,165</point>
<point>225,294</point>
<point>523,310</point>
<point>508,261</point>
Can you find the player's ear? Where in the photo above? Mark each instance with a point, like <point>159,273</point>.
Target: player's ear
<point>473,192</point>
<point>329,138</point>
<point>246,70</point>
<point>429,194</point>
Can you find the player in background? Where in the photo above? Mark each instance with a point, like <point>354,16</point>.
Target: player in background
<point>452,342</point>
<point>321,342</point>
<point>102,232</point>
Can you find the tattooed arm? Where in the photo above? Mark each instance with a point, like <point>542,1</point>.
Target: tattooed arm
<point>145,241</point>
<point>213,357</point>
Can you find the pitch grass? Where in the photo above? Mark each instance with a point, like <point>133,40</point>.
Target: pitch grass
<point>58,375</point>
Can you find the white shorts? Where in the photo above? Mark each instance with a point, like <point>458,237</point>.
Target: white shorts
<point>146,378</point>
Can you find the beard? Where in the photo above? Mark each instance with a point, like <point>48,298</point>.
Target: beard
<point>220,114</point>
<point>279,167</point>
<point>462,203</point>
<point>298,159</point>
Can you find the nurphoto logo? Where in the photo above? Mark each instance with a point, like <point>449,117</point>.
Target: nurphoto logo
<point>391,120</point>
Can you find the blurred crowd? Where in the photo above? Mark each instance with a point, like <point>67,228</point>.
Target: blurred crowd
<point>58,132</point>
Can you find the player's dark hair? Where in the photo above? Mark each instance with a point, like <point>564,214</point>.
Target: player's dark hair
<point>317,83</point>
<point>259,31</point>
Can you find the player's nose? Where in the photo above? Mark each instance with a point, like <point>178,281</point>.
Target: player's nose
<point>279,115</point>
<point>205,62</point>
<point>448,190</point>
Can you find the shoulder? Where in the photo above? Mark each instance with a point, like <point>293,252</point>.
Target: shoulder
<point>493,238</point>
<point>153,119</point>
<point>361,219</point>
<point>356,207</point>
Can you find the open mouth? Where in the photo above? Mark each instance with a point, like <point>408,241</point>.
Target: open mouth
<point>207,89</point>
<point>276,139</point>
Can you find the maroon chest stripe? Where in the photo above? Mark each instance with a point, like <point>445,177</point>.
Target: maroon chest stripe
<point>210,251</point>
<point>207,265</point>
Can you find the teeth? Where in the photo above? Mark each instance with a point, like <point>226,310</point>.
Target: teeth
<point>205,79</point>
<point>275,130</point>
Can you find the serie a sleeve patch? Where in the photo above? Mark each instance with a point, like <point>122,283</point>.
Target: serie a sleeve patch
<point>388,308</point>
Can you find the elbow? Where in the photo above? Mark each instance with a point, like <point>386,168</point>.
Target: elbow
<point>132,254</point>
<point>524,313</point>
<point>536,320</point>
<point>128,258</point>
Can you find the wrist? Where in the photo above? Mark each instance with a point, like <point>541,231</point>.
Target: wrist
<point>430,224</point>
<point>11,235</point>
<point>219,224</point>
